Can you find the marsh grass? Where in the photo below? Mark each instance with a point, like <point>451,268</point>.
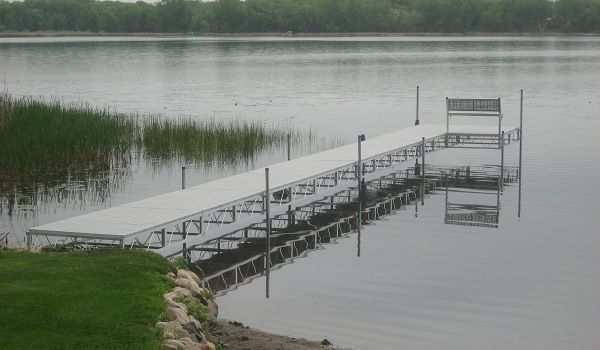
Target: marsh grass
<point>200,140</point>
<point>47,141</point>
<point>42,138</point>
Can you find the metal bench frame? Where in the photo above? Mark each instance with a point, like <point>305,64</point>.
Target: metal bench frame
<point>474,107</point>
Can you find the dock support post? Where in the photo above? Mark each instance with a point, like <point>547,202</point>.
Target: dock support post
<point>361,138</point>
<point>183,177</point>
<point>28,240</point>
<point>163,238</point>
<point>502,162</point>
<point>423,172</point>
<point>520,152</point>
<point>184,252</point>
<point>289,146</point>
<point>447,120</point>
<point>268,240</point>
<point>417,118</point>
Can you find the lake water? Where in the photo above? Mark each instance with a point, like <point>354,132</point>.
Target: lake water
<point>532,283</point>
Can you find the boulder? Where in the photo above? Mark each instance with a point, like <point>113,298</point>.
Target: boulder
<point>172,330</point>
<point>213,308</point>
<point>182,292</point>
<point>189,275</point>
<point>171,344</point>
<point>178,314</point>
<point>189,344</point>
<point>196,323</point>
<point>171,302</point>
<point>200,300</point>
<point>205,345</point>
<point>190,285</point>
<point>195,329</point>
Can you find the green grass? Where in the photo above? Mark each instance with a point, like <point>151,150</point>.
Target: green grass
<point>104,299</point>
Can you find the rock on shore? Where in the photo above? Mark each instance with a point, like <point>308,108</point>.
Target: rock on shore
<point>188,310</point>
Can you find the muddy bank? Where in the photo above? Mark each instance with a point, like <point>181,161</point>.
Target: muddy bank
<point>236,336</point>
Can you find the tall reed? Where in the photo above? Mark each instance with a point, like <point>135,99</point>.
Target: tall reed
<point>212,140</point>
<point>42,140</point>
<point>39,137</point>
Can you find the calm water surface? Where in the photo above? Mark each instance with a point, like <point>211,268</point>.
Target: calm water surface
<point>533,283</point>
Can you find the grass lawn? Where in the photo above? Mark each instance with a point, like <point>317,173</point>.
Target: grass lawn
<point>106,299</point>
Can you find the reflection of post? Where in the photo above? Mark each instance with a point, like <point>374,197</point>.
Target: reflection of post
<point>498,195</point>
<point>183,177</point>
<point>289,146</point>
<point>28,238</point>
<point>423,172</point>
<point>502,162</point>
<point>446,211</point>
<point>268,221</point>
<point>520,151</point>
<point>359,220</point>
<point>417,119</point>
<point>416,207</point>
<point>359,171</point>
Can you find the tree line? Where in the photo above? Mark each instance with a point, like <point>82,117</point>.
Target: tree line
<point>310,16</point>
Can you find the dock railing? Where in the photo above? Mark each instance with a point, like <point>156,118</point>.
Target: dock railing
<point>473,107</point>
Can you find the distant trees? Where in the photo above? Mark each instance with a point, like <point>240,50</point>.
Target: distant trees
<point>227,16</point>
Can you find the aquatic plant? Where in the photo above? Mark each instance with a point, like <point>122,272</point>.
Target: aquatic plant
<point>208,139</point>
<point>40,138</point>
<point>47,141</point>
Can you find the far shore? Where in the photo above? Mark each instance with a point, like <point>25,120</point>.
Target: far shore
<point>10,34</point>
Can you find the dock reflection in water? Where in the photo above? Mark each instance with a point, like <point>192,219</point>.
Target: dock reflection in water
<point>237,259</point>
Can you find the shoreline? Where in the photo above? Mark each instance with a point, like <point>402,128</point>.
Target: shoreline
<point>52,34</point>
<point>237,336</point>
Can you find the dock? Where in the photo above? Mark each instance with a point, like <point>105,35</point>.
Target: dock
<point>177,222</point>
<point>193,222</point>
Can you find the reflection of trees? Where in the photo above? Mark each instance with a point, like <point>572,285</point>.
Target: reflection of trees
<point>446,16</point>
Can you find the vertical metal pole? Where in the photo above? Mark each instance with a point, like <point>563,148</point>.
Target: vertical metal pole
<point>184,252</point>
<point>499,120</point>
<point>28,240</point>
<point>447,120</point>
<point>423,172</point>
<point>360,194</point>
<point>289,146</point>
<point>520,152</point>
<point>502,162</point>
<point>183,177</point>
<point>359,166</point>
<point>417,118</point>
<point>268,220</point>
<point>163,238</point>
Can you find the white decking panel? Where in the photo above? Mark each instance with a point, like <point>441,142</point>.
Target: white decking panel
<point>129,219</point>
